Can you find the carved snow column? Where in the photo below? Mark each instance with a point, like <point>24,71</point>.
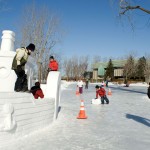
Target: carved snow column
<point>7,53</point>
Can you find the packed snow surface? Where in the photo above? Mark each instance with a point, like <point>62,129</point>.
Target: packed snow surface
<point>124,124</point>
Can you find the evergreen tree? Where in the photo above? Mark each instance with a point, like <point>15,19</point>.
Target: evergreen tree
<point>140,67</point>
<point>109,70</point>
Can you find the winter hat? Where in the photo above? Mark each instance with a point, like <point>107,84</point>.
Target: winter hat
<point>96,86</point>
<point>51,57</point>
<point>37,83</point>
<point>31,47</point>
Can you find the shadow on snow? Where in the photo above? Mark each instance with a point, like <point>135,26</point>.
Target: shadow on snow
<point>139,119</point>
<point>129,90</point>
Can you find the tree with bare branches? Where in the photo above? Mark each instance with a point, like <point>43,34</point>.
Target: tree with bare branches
<point>127,5</point>
<point>129,68</point>
<point>40,28</point>
<point>75,67</point>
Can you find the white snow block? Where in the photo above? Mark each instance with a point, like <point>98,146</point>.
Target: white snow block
<point>53,89</point>
<point>96,101</point>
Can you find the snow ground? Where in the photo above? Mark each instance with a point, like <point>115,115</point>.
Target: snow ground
<point>124,124</point>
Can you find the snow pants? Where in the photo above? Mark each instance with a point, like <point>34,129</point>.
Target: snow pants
<point>80,90</point>
<point>21,82</point>
<point>104,98</point>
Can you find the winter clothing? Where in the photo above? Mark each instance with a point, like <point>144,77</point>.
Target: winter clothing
<point>97,87</point>
<point>107,80</point>
<point>80,85</point>
<point>37,91</point>
<point>80,90</point>
<point>53,65</point>
<point>21,82</point>
<point>102,93</point>
<point>18,65</point>
<point>31,47</point>
<point>148,91</point>
<point>51,57</point>
<point>20,58</point>
<point>86,83</point>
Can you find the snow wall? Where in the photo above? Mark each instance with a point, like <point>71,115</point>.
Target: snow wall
<point>20,113</point>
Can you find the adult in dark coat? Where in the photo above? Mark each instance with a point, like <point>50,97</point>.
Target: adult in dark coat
<point>18,65</point>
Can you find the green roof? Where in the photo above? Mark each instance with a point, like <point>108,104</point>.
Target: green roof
<point>116,63</point>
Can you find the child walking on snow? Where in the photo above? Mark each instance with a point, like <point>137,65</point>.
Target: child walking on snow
<point>80,86</point>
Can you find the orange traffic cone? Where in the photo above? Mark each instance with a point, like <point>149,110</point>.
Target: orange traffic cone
<point>109,92</point>
<point>82,114</point>
<point>77,93</point>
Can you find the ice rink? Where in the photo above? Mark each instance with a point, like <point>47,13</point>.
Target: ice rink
<point>124,124</point>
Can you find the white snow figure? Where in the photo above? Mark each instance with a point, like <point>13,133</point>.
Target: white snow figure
<point>8,123</point>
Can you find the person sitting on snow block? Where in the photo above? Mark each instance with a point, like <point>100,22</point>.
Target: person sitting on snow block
<point>37,91</point>
<point>53,64</point>
<point>100,91</point>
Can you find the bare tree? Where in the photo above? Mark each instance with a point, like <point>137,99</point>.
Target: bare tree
<point>96,59</point>
<point>83,65</point>
<point>127,5</point>
<point>40,28</point>
<point>75,67</point>
<point>129,68</point>
<point>67,68</point>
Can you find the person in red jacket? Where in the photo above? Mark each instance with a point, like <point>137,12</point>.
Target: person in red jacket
<point>37,91</point>
<point>100,91</point>
<point>53,64</point>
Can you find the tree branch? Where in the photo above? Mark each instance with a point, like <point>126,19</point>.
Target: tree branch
<point>127,8</point>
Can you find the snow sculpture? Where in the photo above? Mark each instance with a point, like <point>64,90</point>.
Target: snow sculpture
<point>8,123</point>
<point>53,89</point>
<point>7,54</point>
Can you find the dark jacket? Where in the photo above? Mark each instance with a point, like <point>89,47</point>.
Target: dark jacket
<point>148,92</point>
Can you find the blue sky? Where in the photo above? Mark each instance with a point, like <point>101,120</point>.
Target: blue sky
<point>91,26</point>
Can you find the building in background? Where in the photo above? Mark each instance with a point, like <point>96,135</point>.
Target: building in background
<point>100,68</point>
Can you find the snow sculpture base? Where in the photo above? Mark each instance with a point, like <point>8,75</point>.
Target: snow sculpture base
<point>29,114</point>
